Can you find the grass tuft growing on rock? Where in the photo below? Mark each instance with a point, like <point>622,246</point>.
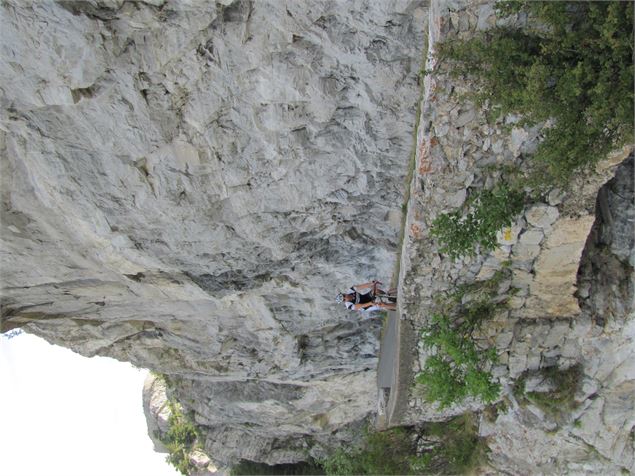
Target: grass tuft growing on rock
<point>559,402</point>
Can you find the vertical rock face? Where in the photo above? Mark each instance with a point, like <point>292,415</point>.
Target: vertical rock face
<point>156,410</point>
<point>185,185</point>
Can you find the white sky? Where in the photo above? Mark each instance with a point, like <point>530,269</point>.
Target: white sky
<point>67,415</point>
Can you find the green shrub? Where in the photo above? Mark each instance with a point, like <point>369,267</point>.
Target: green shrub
<point>573,66</point>
<point>458,450</point>
<point>460,233</point>
<point>180,439</point>
<point>387,452</point>
<point>456,370</point>
<point>454,447</point>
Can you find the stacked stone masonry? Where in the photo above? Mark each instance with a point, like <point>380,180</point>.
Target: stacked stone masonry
<point>550,320</point>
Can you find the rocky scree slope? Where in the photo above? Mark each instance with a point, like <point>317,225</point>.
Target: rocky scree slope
<point>185,185</point>
<point>569,284</point>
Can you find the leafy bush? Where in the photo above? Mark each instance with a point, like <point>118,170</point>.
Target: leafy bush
<point>456,369</point>
<point>452,447</point>
<point>458,450</point>
<point>488,211</point>
<point>573,66</point>
<point>387,452</point>
<point>180,439</point>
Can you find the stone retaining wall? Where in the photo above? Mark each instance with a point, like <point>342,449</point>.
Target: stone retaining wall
<point>543,325</point>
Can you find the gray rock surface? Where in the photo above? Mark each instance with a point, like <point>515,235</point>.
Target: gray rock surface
<point>185,185</point>
<point>570,286</point>
<point>156,410</point>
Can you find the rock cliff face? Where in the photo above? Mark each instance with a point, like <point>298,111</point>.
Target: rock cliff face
<point>185,186</point>
<point>569,283</point>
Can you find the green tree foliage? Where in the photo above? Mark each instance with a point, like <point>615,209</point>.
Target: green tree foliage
<point>461,233</point>
<point>459,448</point>
<point>180,439</point>
<point>572,65</point>
<point>456,368</point>
<point>387,452</point>
<point>452,447</point>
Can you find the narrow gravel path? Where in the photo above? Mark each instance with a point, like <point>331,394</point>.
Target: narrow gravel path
<point>394,371</point>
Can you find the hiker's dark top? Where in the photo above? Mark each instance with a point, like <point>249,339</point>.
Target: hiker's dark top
<point>358,298</point>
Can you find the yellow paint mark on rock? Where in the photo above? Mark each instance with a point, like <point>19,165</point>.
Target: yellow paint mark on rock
<point>507,233</point>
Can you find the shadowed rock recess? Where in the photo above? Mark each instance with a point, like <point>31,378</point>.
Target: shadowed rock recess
<point>184,186</point>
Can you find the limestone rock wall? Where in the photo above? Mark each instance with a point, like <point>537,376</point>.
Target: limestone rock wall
<point>569,261</point>
<point>158,411</point>
<point>597,436</point>
<point>185,185</point>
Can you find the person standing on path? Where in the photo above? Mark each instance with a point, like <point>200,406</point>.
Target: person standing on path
<point>364,297</point>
